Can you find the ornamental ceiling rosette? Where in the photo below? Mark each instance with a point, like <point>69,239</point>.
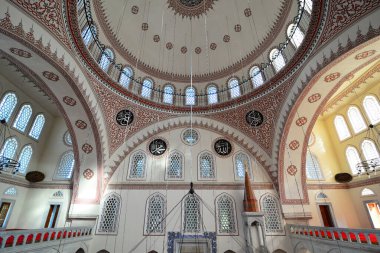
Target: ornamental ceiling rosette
<point>191,8</point>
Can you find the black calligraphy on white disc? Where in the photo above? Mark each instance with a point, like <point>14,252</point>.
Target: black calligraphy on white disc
<point>157,147</point>
<point>254,118</point>
<point>124,117</point>
<point>223,147</point>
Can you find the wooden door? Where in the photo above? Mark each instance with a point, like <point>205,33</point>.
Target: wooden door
<point>326,215</point>
<point>4,209</point>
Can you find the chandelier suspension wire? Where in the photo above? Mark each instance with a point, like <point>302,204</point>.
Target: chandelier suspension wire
<point>243,80</point>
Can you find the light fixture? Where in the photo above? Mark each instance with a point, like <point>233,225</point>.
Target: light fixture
<point>7,164</point>
<point>371,165</point>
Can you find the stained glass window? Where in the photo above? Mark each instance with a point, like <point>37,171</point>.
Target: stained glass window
<point>88,35</point>
<point>226,215</point>
<point>137,165</point>
<point>125,77</point>
<point>11,191</point>
<point>295,34</point>
<point>155,214</point>
<point>206,166</point>
<point>240,160</point>
<point>233,85</point>
<point>175,166</point>
<point>212,94</point>
<point>110,214</point>
<point>7,105</point>
<point>272,215</point>
<point>23,118</point>
<point>353,159</point>
<point>341,128</point>
<point>37,126</point>
<point>9,148</point>
<point>369,150</point>
<point>24,158</point>
<point>105,60</point>
<point>65,166</point>
<point>356,119</point>
<point>146,89</point>
<point>168,94</point>
<point>278,60</point>
<point>313,170</point>
<point>190,96</point>
<point>256,76</point>
<point>192,214</point>
<point>372,109</point>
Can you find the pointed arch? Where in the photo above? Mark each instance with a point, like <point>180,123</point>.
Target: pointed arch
<point>295,35</point>
<point>137,165</point>
<point>126,77</point>
<point>313,168</point>
<point>7,105</point>
<point>372,108</point>
<point>65,167</point>
<point>356,119</point>
<point>10,191</point>
<point>257,77</point>
<point>234,87</point>
<point>370,150</point>
<point>109,217</point>
<point>23,117</point>
<point>175,164</point>
<point>206,165</point>
<point>168,95</point>
<point>225,213</point>
<point>278,60</point>
<point>212,94</point>
<point>106,59</point>
<point>321,196</point>
<point>341,128</point>
<point>191,214</point>
<point>57,194</point>
<point>146,88</point>
<point>24,158</point>
<point>88,34</point>
<point>155,210</point>
<point>190,96</point>
<point>37,127</point>
<point>9,148</point>
<point>240,159</point>
<point>272,214</point>
<point>353,158</point>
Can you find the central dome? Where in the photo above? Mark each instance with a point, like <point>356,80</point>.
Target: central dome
<point>190,8</point>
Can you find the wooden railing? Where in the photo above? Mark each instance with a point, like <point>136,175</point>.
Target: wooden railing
<point>18,238</point>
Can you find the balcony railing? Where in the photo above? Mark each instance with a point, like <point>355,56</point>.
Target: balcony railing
<point>18,238</point>
<point>344,237</point>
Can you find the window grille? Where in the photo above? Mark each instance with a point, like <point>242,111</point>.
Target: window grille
<point>206,166</point>
<point>58,194</point>
<point>87,36</point>
<point>321,196</point>
<point>66,166</point>
<point>175,166</point>
<point>372,108</point>
<point>24,158</point>
<point>353,159</point>
<point>341,128</point>
<point>308,5</point>
<point>272,216</point>
<point>297,37</point>
<point>110,214</point>
<point>105,60</point>
<point>137,165</point>
<point>23,118</point>
<point>192,214</point>
<point>233,85</point>
<point>190,96</point>
<point>257,77</point>
<point>226,215</point>
<point>9,148</point>
<point>356,119</point>
<point>278,60</point>
<point>37,126</point>
<point>7,105</point>
<point>212,94</point>
<point>11,191</point>
<point>369,150</point>
<point>313,169</point>
<point>240,160</point>
<point>190,136</point>
<point>146,89</point>
<point>155,214</point>
<point>125,77</point>
<point>67,139</point>
<point>367,192</point>
<point>168,94</point>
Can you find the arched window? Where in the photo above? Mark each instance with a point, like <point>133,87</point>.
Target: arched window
<point>37,126</point>
<point>106,59</point>
<point>58,194</point>
<point>295,34</point>
<point>175,166</point>
<point>155,214</point>
<point>257,77</point>
<point>212,94</point>
<point>372,108</point>
<point>88,35</point>
<point>168,94</point>
<point>206,166</point>
<point>23,118</point>
<point>353,159</point>
<point>7,105</point>
<point>67,139</point>
<point>356,119</point>
<point>65,166</point>
<point>308,5</point>
<point>226,217</point>
<point>313,170</point>
<point>125,77</point>
<point>192,214</point>
<point>341,128</point>
<point>233,85</point>
<point>240,160</point>
<point>11,191</point>
<point>146,89</point>
<point>367,192</point>
<point>190,96</point>
<point>369,150</point>
<point>272,216</point>
<point>278,60</point>
<point>109,217</point>
<point>24,158</point>
<point>321,196</point>
<point>137,166</point>
<point>9,148</point>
